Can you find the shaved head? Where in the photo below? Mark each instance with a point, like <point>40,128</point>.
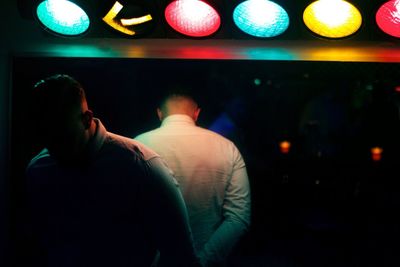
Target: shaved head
<point>178,104</point>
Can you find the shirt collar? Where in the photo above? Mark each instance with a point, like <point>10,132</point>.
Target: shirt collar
<point>177,119</point>
<point>97,141</point>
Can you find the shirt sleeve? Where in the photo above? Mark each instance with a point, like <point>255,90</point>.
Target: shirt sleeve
<point>236,212</point>
<point>168,220</point>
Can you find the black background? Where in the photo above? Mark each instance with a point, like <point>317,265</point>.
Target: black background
<point>326,203</point>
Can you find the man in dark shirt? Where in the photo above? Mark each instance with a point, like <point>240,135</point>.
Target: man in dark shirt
<point>96,198</point>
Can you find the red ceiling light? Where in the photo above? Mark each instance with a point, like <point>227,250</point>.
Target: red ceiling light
<point>192,18</point>
<point>388,18</point>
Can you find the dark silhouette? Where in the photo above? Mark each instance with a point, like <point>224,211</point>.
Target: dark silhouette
<point>96,198</point>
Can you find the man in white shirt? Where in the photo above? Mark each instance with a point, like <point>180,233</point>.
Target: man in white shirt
<point>212,177</point>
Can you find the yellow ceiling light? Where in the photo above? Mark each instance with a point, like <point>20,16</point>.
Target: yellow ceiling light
<point>332,18</point>
<point>136,21</point>
<point>121,25</point>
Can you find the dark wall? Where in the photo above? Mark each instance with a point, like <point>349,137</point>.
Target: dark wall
<point>325,193</point>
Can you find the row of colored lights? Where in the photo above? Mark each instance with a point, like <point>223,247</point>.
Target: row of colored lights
<point>195,18</point>
<point>376,152</point>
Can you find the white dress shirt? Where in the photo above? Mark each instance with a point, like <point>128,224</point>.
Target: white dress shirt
<point>213,179</point>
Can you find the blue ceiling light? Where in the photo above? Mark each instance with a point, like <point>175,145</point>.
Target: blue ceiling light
<point>261,18</point>
<point>63,17</point>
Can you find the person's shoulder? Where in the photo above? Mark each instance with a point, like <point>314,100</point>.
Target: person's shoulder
<point>131,146</point>
<point>215,135</point>
<point>40,164</point>
<point>42,158</point>
<point>146,135</point>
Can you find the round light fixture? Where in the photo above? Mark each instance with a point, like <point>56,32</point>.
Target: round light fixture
<point>63,17</point>
<point>332,18</point>
<point>261,18</point>
<point>388,18</point>
<point>192,18</point>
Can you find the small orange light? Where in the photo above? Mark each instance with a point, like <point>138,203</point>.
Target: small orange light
<point>284,147</point>
<point>376,153</point>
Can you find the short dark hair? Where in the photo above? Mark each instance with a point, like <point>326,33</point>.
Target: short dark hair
<point>57,93</point>
<point>177,91</point>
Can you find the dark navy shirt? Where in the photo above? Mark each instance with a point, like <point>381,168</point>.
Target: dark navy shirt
<point>116,210</point>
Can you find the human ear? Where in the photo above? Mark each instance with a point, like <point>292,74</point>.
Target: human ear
<point>160,114</point>
<point>87,118</point>
<point>196,114</point>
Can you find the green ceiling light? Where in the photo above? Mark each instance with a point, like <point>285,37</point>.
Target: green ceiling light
<point>261,18</point>
<point>63,17</point>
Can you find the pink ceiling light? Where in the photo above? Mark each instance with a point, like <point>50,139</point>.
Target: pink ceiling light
<point>388,18</point>
<point>192,18</point>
